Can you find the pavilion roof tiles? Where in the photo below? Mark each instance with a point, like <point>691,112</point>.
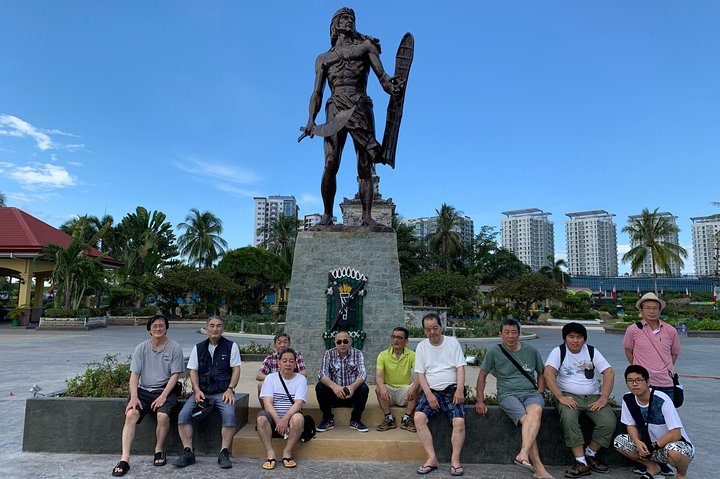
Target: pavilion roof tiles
<point>23,234</point>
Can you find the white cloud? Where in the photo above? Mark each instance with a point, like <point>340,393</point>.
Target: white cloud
<point>219,175</point>
<point>74,147</point>
<point>14,126</point>
<point>44,175</point>
<point>29,197</point>
<point>75,163</point>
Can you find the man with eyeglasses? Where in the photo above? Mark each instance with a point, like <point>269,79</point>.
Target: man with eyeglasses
<point>653,344</point>
<point>341,382</point>
<point>393,380</point>
<point>440,369</point>
<point>655,432</point>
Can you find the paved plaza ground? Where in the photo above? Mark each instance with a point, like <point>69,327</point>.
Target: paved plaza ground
<point>47,358</point>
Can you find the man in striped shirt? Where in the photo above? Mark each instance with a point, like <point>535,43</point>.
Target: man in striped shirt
<point>341,382</point>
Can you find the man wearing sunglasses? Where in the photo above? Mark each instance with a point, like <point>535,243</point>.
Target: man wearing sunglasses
<point>341,382</point>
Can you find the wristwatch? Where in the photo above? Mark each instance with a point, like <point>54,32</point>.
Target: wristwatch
<point>232,389</point>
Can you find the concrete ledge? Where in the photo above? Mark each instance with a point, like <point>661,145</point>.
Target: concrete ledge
<point>94,426</point>
<point>494,439</point>
<point>72,323</point>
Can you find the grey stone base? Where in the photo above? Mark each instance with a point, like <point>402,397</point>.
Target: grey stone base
<point>494,439</point>
<point>94,426</point>
<point>319,252</point>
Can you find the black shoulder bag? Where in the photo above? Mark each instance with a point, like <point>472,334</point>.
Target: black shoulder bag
<point>309,428</point>
<point>636,413</point>
<point>517,365</point>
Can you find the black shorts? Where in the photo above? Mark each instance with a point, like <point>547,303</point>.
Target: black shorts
<point>146,399</point>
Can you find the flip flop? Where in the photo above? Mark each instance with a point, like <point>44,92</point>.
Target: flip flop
<point>269,464</point>
<point>289,462</point>
<point>160,459</point>
<point>120,469</point>
<point>456,471</point>
<point>425,469</point>
<point>524,464</point>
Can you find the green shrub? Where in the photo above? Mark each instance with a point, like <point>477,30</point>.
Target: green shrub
<point>121,310</point>
<point>146,311</point>
<point>106,379</point>
<point>67,313</point>
<point>254,348</point>
<point>479,353</point>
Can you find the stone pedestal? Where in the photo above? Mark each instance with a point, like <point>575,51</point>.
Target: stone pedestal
<point>382,210</point>
<point>319,252</point>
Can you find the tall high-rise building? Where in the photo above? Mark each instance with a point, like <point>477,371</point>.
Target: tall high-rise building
<point>267,211</point>
<point>706,244</point>
<point>425,227</point>
<point>591,238</point>
<point>529,234</point>
<point>646,269</point>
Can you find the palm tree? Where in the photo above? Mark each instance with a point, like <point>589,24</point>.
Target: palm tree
<point>557,271</point>
<point>75,271</point>
<point>411,251</point>
<point>146,244</point>
<point>650,232</point>
<point>446,242</point>
<point>281,236</point>
<point>201,242</point>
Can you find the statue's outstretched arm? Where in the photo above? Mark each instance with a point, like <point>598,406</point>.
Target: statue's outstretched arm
<point>317,95</point>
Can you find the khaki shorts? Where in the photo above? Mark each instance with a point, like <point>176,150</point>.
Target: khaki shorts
<point>398,396</point>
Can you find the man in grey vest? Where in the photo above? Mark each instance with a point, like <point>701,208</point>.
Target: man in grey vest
<point>214,370</point>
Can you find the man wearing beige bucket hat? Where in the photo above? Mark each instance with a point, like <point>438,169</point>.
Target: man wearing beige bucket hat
<point>653,344</point>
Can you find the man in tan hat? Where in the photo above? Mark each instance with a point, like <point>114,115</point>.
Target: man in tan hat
<point>653,344</point>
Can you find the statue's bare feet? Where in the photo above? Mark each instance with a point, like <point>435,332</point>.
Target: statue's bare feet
<point>368,221</point>
<point>325,220</point>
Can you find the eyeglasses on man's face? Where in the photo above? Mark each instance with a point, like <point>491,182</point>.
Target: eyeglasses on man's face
<point>651,308</point>
<point>635,381</point>
<point>399,337</point>
<point>342,341</point>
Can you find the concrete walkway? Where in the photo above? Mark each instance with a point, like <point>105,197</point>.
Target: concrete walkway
<point>47,358</point>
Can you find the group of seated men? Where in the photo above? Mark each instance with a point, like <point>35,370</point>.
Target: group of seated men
<point>426,382</point>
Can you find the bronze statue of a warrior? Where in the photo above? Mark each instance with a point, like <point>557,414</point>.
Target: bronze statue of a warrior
<point>345,68</point>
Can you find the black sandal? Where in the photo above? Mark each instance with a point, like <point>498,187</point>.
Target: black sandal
<point>120,469</point>
<point>160,459</point>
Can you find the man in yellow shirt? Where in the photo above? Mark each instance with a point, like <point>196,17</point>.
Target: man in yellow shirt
<point>394,382</point>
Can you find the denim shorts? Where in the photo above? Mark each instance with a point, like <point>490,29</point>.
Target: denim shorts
<point>516,406</point>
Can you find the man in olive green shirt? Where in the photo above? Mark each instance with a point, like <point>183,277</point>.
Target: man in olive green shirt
<point>519,396</point>
<point>394,384</point>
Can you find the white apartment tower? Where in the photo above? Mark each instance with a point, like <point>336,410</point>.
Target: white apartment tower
<point>706,244</point>
<point>646,268</point>
<point>267,211</point>
<point>529,234</point>
<point>591,238</point>
<point>425,227</point>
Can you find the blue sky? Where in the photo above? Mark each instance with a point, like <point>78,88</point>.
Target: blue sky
<point>559,105</point>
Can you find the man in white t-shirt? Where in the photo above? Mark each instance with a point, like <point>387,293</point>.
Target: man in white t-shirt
<point>214,370</point>
<point>570,374</point>
<point>440,369</point>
